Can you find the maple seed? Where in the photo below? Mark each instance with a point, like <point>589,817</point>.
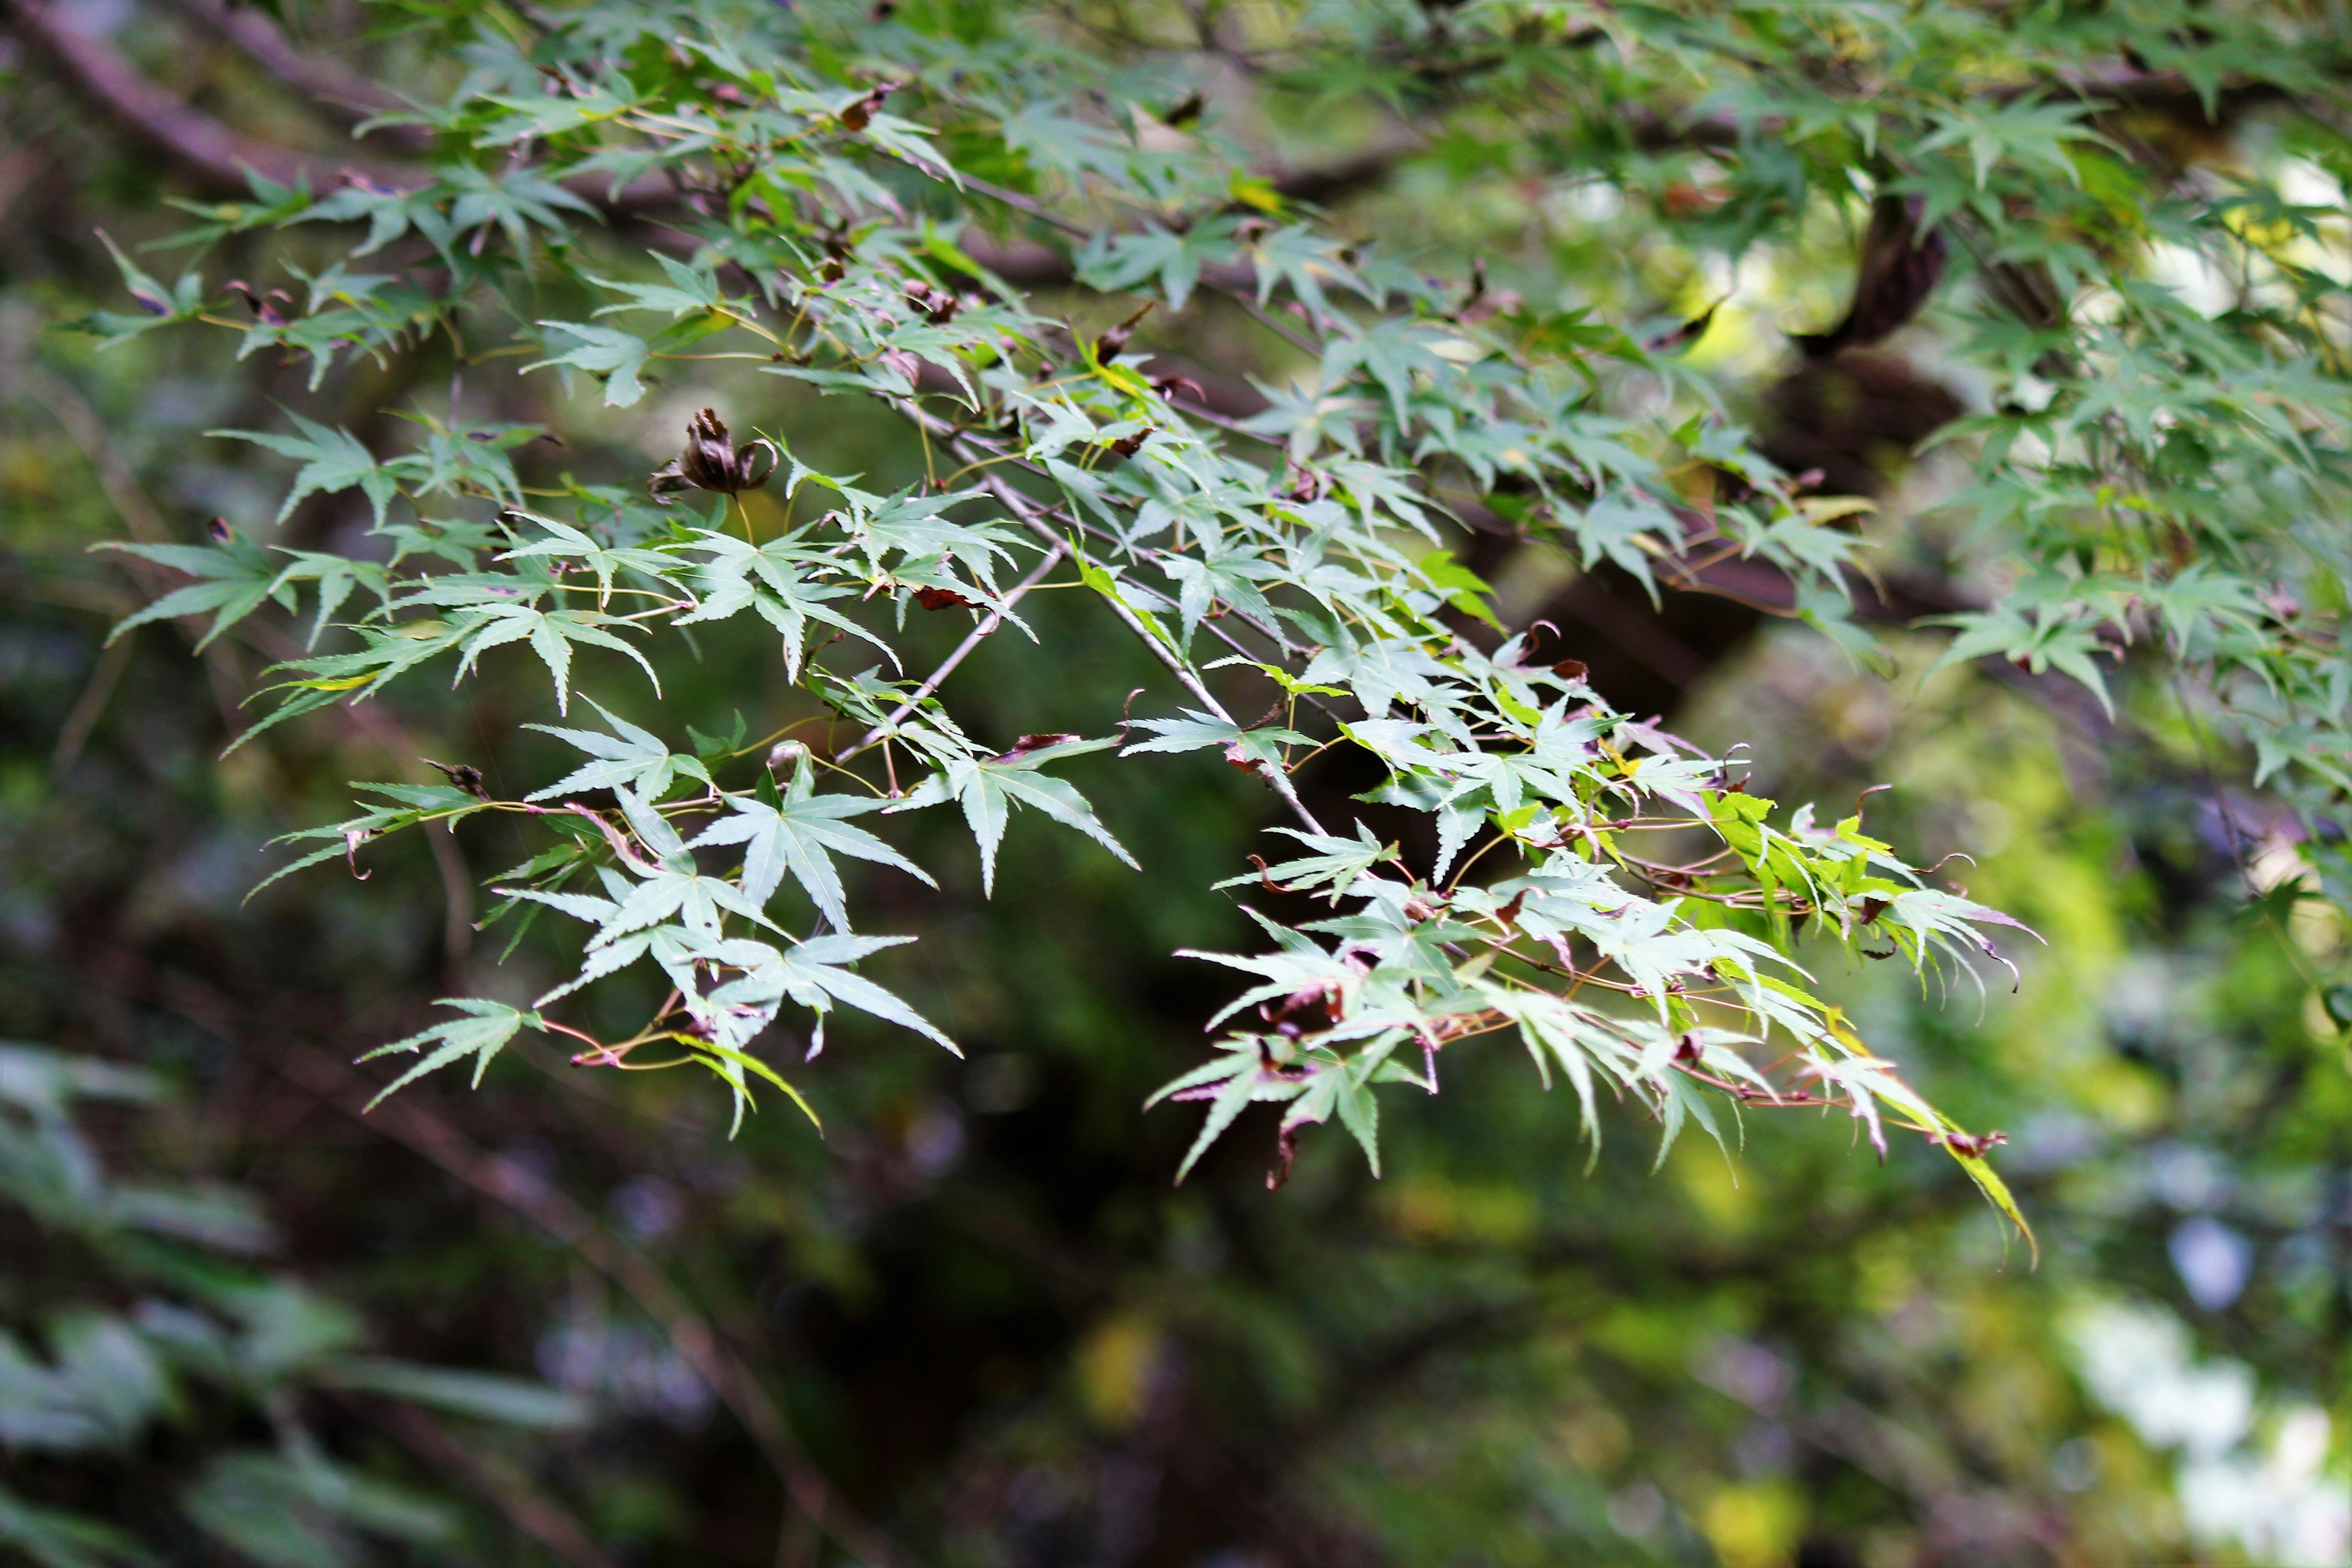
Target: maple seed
<point>942,599</point>
<point>859,115</point>
<point>1113,342</point>
<point>1970,1146</point>
<point>1285,1153</point>
<point>708,463</point>
<point>937,305</point>
<point>259,303</point>
<point>1297,1011</point>
<point>465,775</point>
<point>1028,743</point>
<point>1305,484</point>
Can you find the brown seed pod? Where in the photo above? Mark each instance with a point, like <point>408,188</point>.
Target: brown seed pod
<point>708,463</point>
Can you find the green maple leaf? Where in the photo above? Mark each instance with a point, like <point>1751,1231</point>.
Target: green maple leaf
<point>333,461</point>
<point>233,579</point>
<point>989,787</point>
<point>631,757</point>
<point>606,351</point>
<point>481,1033</point>
<point>800,834</point>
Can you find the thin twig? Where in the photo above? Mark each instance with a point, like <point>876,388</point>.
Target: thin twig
<point>349,95</point>
<point>1027,510</point>
<point>410,1123</point>
<point>87,430</point>
<point>528,1510</point>
<point>88,708</point>
<point>202,145</point>
<point>948,666</point>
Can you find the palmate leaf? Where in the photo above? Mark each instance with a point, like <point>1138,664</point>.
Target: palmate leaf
<point>689,292</point>
<point>815,975</point>
<point>233,578</point>
<point>1234,576</point>
<point>1302,968</point>
<point>1043,131</point>
<point>781,580</point>
<point>481,1032</point>
<point>687,898</point>
<point>551,635</point>
<point>332,461</point>
<point>481,1396</point>
<point>315,683</point>
<point>1305,260</point>
<point>2050,638</point>
<point>2021,131</point>
<point>614,356</point>
<point>989,787</point>
<point>1340,1087</point>
<point>1198,731</point>
<point>1252,1075</point>
<point>516,199</point>
<point>1921,919</point>
<point>334,578</point>
<point>1116,262</point>
<point>1334,865</point>
<point>800,834</point>
<point>915,526</point>
<point>549,116</point>
<point>568,543</point>
<point>630,758</point>
<point>53,1538</point>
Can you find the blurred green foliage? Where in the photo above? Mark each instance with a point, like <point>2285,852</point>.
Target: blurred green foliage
<point>975,1322</point>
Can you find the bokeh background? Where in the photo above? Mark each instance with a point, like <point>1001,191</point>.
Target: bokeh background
<point>977,1314</point>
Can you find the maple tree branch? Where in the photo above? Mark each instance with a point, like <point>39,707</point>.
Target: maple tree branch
<point>410,1123</point>
<point>217,156</point>
<point>346,93</point>
<point>1027,510</point>
<point>947,665</point>
<point>528,1510</point>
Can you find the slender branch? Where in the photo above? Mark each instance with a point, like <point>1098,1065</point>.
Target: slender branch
<point>948,666</point>
<point>220,158</point>
<point>19,167</point>
<point>410,1123</point>
<point>528,1510</point>
<point>1030,518</point>
<point>349,95</point>
<point>90,705</point>
<point>87,430</point>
